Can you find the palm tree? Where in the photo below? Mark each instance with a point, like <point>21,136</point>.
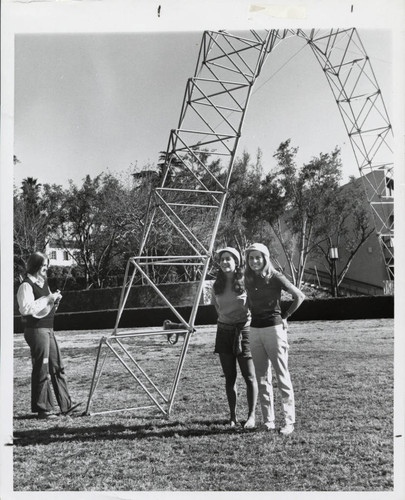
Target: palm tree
<point>30,192</point>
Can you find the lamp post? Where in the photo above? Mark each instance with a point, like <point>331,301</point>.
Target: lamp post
<point>334,256</point>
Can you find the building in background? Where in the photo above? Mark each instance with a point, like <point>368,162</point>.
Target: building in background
<point>372,268</point>
<point>368,273</point>
<point>61,256</point>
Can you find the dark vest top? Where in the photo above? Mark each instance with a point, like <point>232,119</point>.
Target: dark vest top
<point>264,300</point>
<point>47,321</point>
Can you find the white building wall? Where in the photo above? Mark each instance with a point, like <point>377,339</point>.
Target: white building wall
<point>60,257</point>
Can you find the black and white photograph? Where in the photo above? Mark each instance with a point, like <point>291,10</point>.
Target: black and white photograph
<point>198,285</point>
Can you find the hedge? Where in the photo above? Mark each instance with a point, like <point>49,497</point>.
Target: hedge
<point>342,308</point>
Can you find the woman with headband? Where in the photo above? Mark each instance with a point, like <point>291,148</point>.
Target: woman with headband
<point>268,333</point>
<point>232,339</point>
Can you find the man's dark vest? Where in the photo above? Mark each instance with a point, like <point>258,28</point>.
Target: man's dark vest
<point>47,321</point>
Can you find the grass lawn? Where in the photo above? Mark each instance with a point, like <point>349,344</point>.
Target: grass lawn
<point>342,373</point>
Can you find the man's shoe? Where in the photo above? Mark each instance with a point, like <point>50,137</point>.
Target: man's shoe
<point>268,426</point>
<point>45,415</point>
<point>72,408</point>
<point>287,429</point>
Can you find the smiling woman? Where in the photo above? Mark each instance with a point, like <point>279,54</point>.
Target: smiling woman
<point>268,339</point>
<point>232,339</point>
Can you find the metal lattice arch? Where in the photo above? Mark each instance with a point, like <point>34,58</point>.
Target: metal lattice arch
<point>211,118</point>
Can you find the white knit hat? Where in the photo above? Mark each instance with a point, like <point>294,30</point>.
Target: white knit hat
<point>232,251</point>
<point>260,248</point>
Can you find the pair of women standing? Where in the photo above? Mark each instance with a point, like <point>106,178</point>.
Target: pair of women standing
<point>261,342</point>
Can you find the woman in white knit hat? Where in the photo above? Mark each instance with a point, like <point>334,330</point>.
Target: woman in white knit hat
<point>268,333</point>
<point>232,339</point>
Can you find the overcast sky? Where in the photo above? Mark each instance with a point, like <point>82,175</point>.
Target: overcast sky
<point>85,103</point>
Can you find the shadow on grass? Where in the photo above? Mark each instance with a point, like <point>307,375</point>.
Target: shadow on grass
<point>62,433</point>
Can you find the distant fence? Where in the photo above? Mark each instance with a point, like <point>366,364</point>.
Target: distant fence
<point>341,308</point>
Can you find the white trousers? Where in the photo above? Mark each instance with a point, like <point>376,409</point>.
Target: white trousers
<point>269,346</point>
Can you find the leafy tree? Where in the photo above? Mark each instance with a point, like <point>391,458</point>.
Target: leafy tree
<point>240,225</point>
<point>305,207</point>
<point>36,211</point>
<point>102,219</point>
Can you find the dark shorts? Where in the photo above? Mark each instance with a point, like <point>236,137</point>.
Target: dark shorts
<point>232,339</point>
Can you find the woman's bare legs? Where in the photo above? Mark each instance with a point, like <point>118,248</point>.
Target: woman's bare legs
<point>228,363</point>
<point>248,372</point>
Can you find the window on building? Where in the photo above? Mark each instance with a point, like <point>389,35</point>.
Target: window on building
<point>66,255</point>
<point>52,255</point>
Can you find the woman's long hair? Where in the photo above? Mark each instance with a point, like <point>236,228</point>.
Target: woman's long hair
<point>35,262</point>
<point>266,273</point>
<point>238,284</point>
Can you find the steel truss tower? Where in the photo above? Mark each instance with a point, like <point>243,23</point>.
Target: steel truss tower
<point>185,208</point>
<point>351,78</point>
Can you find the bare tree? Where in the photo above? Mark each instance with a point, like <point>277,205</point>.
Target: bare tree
<point>345,223</point>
